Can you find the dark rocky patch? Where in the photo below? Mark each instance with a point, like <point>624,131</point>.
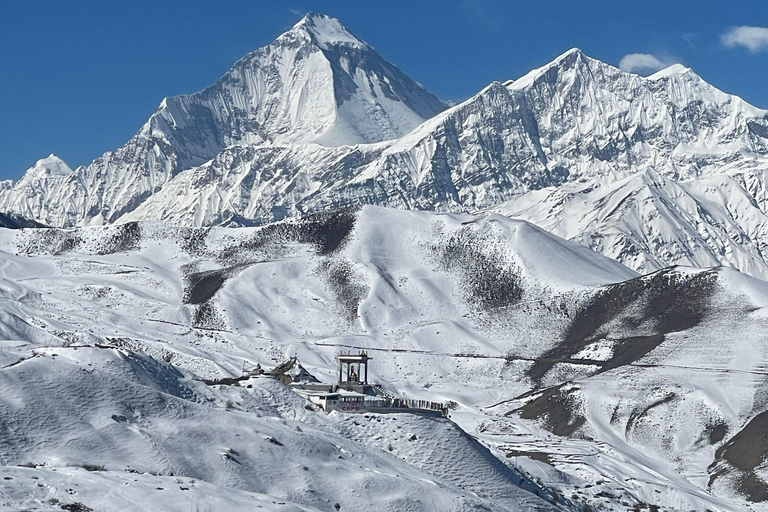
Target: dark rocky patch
<point>50,242</point>
<point>347,287</point>
<point>54,242</point>
<point>759,129</point>
<point>489,280</point>
<point>326,231</point>
<point>202,286</point>
<point>638,414</point>
<point>292,371</point>
<point>539,456</point>
<point>206,316</point>
<point>193,240</point>
<point>233,381</point>
<point>668,300</point>
<point>558,407</point>
<point>121,238</point>
<point>745,452</point>
<point>716,431</point>
<point>75,507</point>
<point>630,350</point>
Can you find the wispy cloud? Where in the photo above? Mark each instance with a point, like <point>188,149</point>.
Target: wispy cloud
<point>690,38</point>
<point>295,12</point>
<point>641,62</point>
<point>755,39</point>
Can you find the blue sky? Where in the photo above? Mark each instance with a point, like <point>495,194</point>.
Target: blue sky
<point>78,78</point>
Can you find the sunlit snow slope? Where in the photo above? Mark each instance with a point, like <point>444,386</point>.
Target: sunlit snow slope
<point>584,383</point>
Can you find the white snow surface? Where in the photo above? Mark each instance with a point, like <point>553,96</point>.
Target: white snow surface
<point>106,338</point>
<point>50,166</point>
<point>47,489</point>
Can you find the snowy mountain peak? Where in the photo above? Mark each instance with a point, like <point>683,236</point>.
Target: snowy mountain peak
<point>674,69</point>
<point>316,84</point>
<point>570,56</point>
<point>326,31</point>
<point>49,166</point>
<point>572,59</point>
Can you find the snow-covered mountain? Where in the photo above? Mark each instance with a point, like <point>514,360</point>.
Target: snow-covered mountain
<point>649,221</point>
<point>107,335</point>
<point>578,377</point>
<point>663,170</point>
<point>577,381</point>
<point>316,83</point>
<point>652,171</point>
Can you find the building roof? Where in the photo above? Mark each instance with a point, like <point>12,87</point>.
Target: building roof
<point>353,357</point>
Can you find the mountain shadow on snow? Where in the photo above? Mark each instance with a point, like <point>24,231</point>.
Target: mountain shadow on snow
<point>14,221</point>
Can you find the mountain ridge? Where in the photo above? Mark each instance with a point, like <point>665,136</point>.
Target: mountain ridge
<point>286,92</point>
<point>575,125</point>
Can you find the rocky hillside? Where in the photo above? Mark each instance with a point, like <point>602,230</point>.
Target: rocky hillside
<point>582,382</point>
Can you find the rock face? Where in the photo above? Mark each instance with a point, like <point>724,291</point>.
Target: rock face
<point>652,171</point>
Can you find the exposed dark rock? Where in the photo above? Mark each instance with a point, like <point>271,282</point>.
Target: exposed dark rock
<point>638,414</point>
<point>347,287</point>
<point>50,242</point>
<point>558,408</point>
<point>121,238</point>
<point>326,231</point>
<point>668,301</point>
<point>488,280</point>
<point>745,452</point>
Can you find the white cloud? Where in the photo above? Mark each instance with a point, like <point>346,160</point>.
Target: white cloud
<point>755,39</point>
<point>637,62</point>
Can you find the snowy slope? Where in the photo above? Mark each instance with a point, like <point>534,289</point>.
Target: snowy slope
<point>611,389</point>
<point>123,413</point>
<point>50,489</point>
<point>129,293</point>
<point>649,221</point>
